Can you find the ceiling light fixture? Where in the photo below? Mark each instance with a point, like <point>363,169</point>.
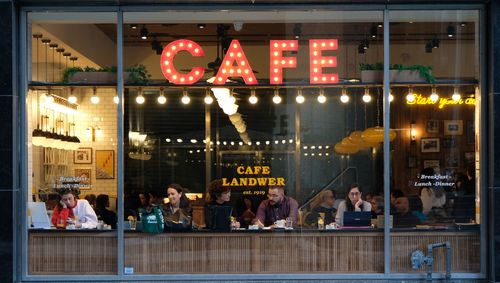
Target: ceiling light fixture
<point>72,98</point>
<point>367,97</point>
<point>373,31</point>
<point>410,97</point>
<point>434,96</point>
<point>435,42</point>
<point>140,99</point>
<point>450,30</point>
<point>456,94</point>
<point>95,99</point>
<point>208,98</point>
<point>201,26</point>
<point>297,31</point>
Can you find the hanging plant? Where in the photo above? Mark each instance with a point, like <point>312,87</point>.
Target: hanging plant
<point>424,71</point>
<point>136,74</point>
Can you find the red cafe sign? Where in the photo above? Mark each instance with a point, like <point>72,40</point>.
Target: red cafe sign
<point>235,62</point>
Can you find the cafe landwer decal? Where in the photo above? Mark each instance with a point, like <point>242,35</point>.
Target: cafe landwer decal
<point>236,64</point>
<point>248,178</point>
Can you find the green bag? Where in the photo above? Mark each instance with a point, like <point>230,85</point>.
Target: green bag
<point>152,220</point>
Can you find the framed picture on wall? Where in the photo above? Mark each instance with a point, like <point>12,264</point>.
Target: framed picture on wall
<point>453,127</point>
<point>83,155</point>
<point>452,160</point>
<point>84,178</point>
<point>104,164</point>
<point>432,126</point>
<point>429,145</point>
<point>432,163</point>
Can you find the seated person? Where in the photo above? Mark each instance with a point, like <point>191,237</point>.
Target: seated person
<point>327,198</point>
<point>404,218</point>
<point>218,195</point>
<point>416,207</point>
<point>377,203</point>
<point>107,216</point>
<point>396,193</point>
<point>91,199</point>
<point>353,202</point>
<point>245,212</point>
<point>70,207</point>
<point>178,213</point>
<point>276,207</point>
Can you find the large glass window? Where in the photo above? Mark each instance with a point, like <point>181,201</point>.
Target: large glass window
<point>435,155</point>
<point>72,136</point>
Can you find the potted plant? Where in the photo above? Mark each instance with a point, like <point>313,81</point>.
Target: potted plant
<point>136,74</point>
<point>371,73</point>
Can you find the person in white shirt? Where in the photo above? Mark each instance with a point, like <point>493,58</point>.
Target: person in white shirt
<point>353,202</point>
<point>69,207</point>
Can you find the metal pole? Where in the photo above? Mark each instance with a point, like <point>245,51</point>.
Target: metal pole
<point>386,108</point>
<point>119,89</point>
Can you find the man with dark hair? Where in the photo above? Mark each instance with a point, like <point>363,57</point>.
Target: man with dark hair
<point>276,207</point>
<point>404,218</point>
<point>104,214</point>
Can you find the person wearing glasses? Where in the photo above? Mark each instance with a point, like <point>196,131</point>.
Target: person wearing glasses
<point>353,202</point>
<point>278,206</point>
<point>326,206</point>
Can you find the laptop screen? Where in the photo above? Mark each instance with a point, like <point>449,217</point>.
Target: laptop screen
<point>39,216</point>
<point>357,218</point>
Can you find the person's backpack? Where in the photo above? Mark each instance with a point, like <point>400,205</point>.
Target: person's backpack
<point>152,220</point>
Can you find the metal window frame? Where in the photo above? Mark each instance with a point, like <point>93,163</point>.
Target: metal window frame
<point>20,205</point>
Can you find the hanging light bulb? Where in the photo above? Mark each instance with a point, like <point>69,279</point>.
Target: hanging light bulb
<point>185,98</point>
<point>72,98</point>
<point>300,98</point>
<point>95,99</point>
<point>276,97</point>
<point>208,98</point>
<point>116,100</point>
<point>140,99</point>
<point>344,98</point>
<point>456,94</point>
<point>161,99</point>
<point>410,97</point>
<point>367,97</point>
<point>253,98</point>
<point>321,97</point>
<point>434,96</point>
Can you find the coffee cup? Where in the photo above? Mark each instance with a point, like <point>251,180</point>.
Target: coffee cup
<point>280,223</point>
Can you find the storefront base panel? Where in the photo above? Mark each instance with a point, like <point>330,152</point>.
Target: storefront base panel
<point>236,253</point>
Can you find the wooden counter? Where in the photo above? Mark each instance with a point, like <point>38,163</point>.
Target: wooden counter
<point>298,251</point>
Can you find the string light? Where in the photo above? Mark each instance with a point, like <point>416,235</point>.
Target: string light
<point>95,99</point>
<point>72,98</point>
<point>456,94</point>
<point>344,98</point>
<point>185,97</point>
<point>434,96</point>
<point>253,98</point>
<point>276,97</point>
<point>300,98</point>
<point>367,97</point>
<point>208,98</point>
<point>140,99</point>
<point>321,97</point>
<point>410,97</point>
<point>161,98</point>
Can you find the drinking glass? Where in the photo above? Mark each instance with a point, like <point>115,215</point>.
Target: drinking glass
<point>289,222</point>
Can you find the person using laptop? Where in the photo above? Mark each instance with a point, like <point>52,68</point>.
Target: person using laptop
<point>353,202</point>
<point>218,195</point>
<point>276,207</point>
<point>72,208</point>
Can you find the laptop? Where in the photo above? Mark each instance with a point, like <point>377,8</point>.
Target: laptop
<point>221,217</point>
<point>357,219</point>
<point>39,216</point>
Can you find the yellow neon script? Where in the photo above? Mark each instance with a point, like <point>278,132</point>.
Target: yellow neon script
<point>442,102</point>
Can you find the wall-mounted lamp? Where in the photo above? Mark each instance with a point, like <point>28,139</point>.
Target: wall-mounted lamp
<point>413,132</point>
